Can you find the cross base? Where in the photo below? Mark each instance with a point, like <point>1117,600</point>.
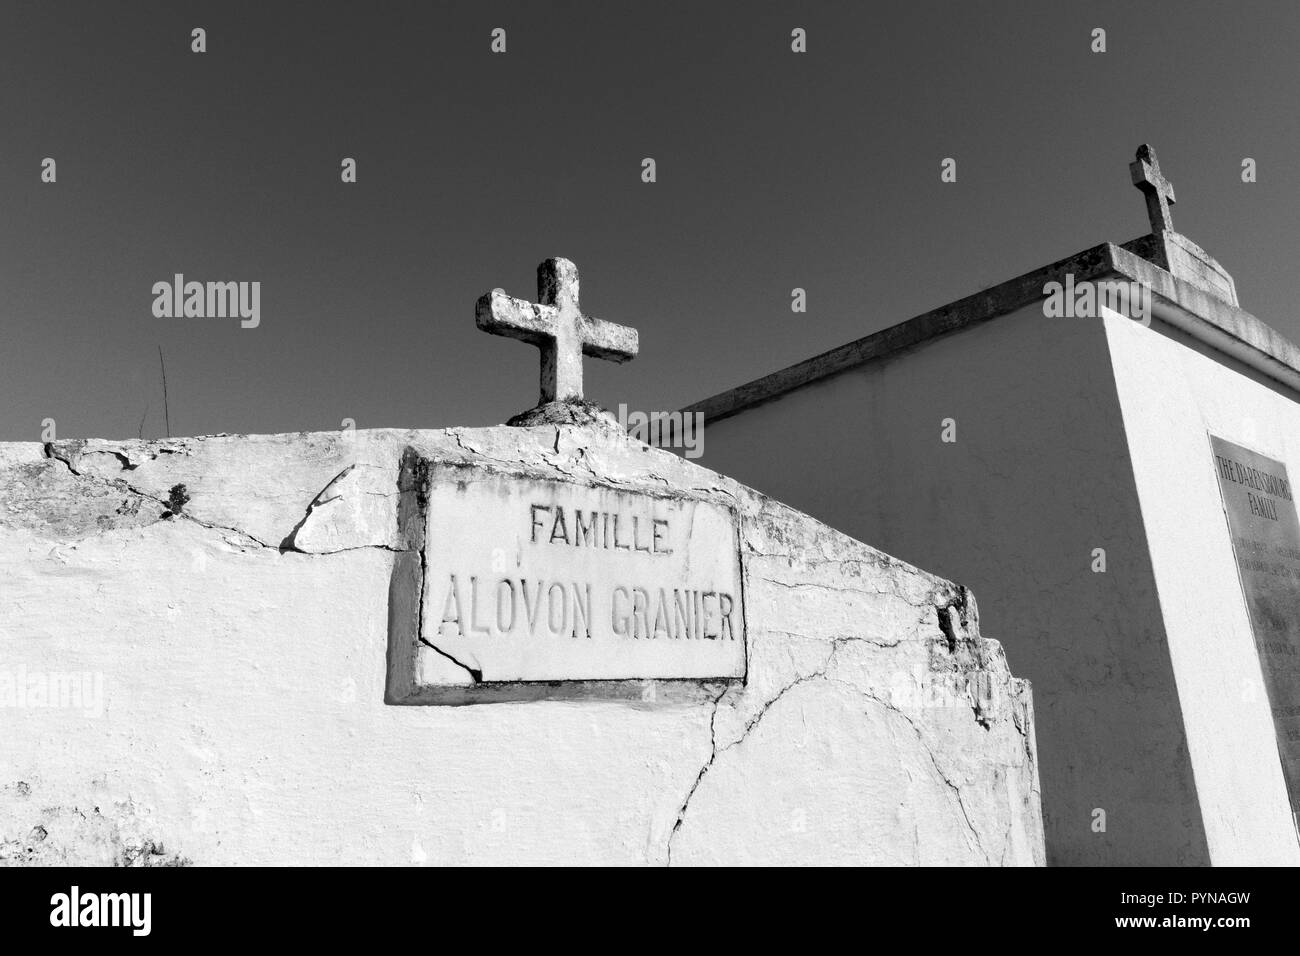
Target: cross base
<point>576,412</point>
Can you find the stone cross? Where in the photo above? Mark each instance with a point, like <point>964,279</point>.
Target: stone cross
<point>557,326</point>
<point>1158,190</point>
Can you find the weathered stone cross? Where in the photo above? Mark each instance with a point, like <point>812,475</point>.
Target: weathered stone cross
<point>1158,190</point>
<point>557,326</point>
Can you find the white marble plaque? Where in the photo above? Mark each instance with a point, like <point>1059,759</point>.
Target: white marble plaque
<point>537,580</point>
<point>1261,511</point>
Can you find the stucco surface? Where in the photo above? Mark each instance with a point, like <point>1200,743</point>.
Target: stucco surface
<point>233,594</point>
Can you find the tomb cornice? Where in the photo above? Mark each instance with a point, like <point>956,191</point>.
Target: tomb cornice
<point>1182,304</point>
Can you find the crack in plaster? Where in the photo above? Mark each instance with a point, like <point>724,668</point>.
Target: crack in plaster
<point>820,673</point>
<point>715,752</point>
<point>286,546</point>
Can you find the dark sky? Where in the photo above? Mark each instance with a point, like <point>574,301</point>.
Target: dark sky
<point>775,170</point>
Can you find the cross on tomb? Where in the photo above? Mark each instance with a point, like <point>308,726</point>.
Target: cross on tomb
<point>1159,191</point>
<point>556,325</point>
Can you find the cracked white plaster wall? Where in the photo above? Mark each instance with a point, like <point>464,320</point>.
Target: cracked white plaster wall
<point>243,641</point>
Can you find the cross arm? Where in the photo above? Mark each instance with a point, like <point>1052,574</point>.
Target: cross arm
<point>609,340</point>
<point>1149,179</point>
<point>503,314</point>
